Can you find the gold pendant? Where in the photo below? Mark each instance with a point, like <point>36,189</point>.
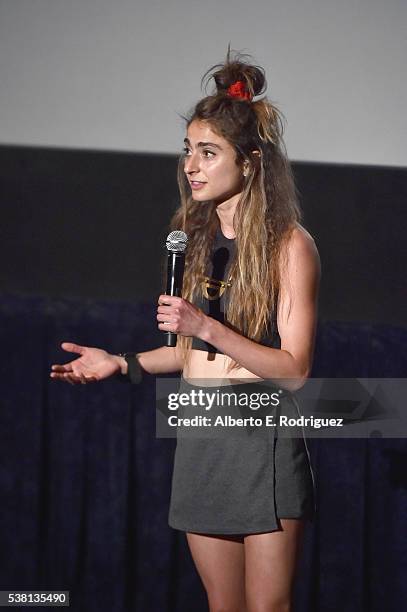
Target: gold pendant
<point>216,287</point>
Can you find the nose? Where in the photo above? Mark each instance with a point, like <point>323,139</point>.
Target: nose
<point>191,163</point>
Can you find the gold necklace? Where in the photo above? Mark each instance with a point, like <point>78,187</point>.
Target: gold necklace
<point>217,287</point>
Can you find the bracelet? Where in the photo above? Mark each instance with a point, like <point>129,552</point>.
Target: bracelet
<point>134,371</point>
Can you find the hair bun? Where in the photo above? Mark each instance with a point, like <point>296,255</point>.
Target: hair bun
<point>237,67</point>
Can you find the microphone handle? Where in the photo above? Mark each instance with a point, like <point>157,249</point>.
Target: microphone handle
<point>175,276</point>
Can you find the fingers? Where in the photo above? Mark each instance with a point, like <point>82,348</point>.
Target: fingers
<point>66,376</point>
<point>73,379</point>
<point>71,347</point>
<point>168,311</point>
<point>174,314</point>
<point>67,367</point>
<point>169,300</point>
<point>164,318</point>
<point>164,309</point>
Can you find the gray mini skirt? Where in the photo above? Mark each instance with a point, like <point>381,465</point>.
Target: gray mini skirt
<point>233,475</point>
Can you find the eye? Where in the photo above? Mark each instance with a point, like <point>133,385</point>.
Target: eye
<point>185,151</point>
<point>208,154</point>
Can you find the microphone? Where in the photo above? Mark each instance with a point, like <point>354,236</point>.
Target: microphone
<point>176,244</point>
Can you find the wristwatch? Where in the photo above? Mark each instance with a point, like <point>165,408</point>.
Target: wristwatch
<point>134,372</point>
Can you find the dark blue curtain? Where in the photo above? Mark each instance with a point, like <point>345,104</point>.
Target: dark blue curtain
<point>85,483</point>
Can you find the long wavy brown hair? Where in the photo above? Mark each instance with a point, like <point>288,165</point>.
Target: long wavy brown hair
<point>267,210</point>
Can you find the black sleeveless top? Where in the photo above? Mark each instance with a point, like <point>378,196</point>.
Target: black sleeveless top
<point>214,292</point>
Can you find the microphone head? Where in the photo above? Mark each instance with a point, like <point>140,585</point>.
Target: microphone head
<point>176,241</point>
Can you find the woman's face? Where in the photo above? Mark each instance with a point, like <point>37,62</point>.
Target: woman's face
<point>210,165</point>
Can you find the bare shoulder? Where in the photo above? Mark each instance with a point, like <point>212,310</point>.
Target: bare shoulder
<point>301,245</point>
<point>301,241</point>
<point>300,260</point>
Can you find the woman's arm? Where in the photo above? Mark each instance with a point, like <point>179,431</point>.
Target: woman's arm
<point>94,364</point>
<point>296,320</point>
<point>162,360</point>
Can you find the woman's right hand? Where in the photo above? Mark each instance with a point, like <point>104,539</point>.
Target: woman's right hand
<point>93,364</point>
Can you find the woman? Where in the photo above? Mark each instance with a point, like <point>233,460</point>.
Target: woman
<point>248,314</point>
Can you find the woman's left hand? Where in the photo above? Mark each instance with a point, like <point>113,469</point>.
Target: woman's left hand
<point>180,316</point>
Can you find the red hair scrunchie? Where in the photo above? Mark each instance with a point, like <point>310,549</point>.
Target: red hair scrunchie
<point>238,90</point>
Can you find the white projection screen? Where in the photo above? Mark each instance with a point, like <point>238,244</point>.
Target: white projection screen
<point>97,74</point>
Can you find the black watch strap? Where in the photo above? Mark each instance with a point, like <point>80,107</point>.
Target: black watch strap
<point>134,372</point>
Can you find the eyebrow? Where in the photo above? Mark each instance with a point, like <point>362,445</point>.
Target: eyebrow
<point>203,144</point>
